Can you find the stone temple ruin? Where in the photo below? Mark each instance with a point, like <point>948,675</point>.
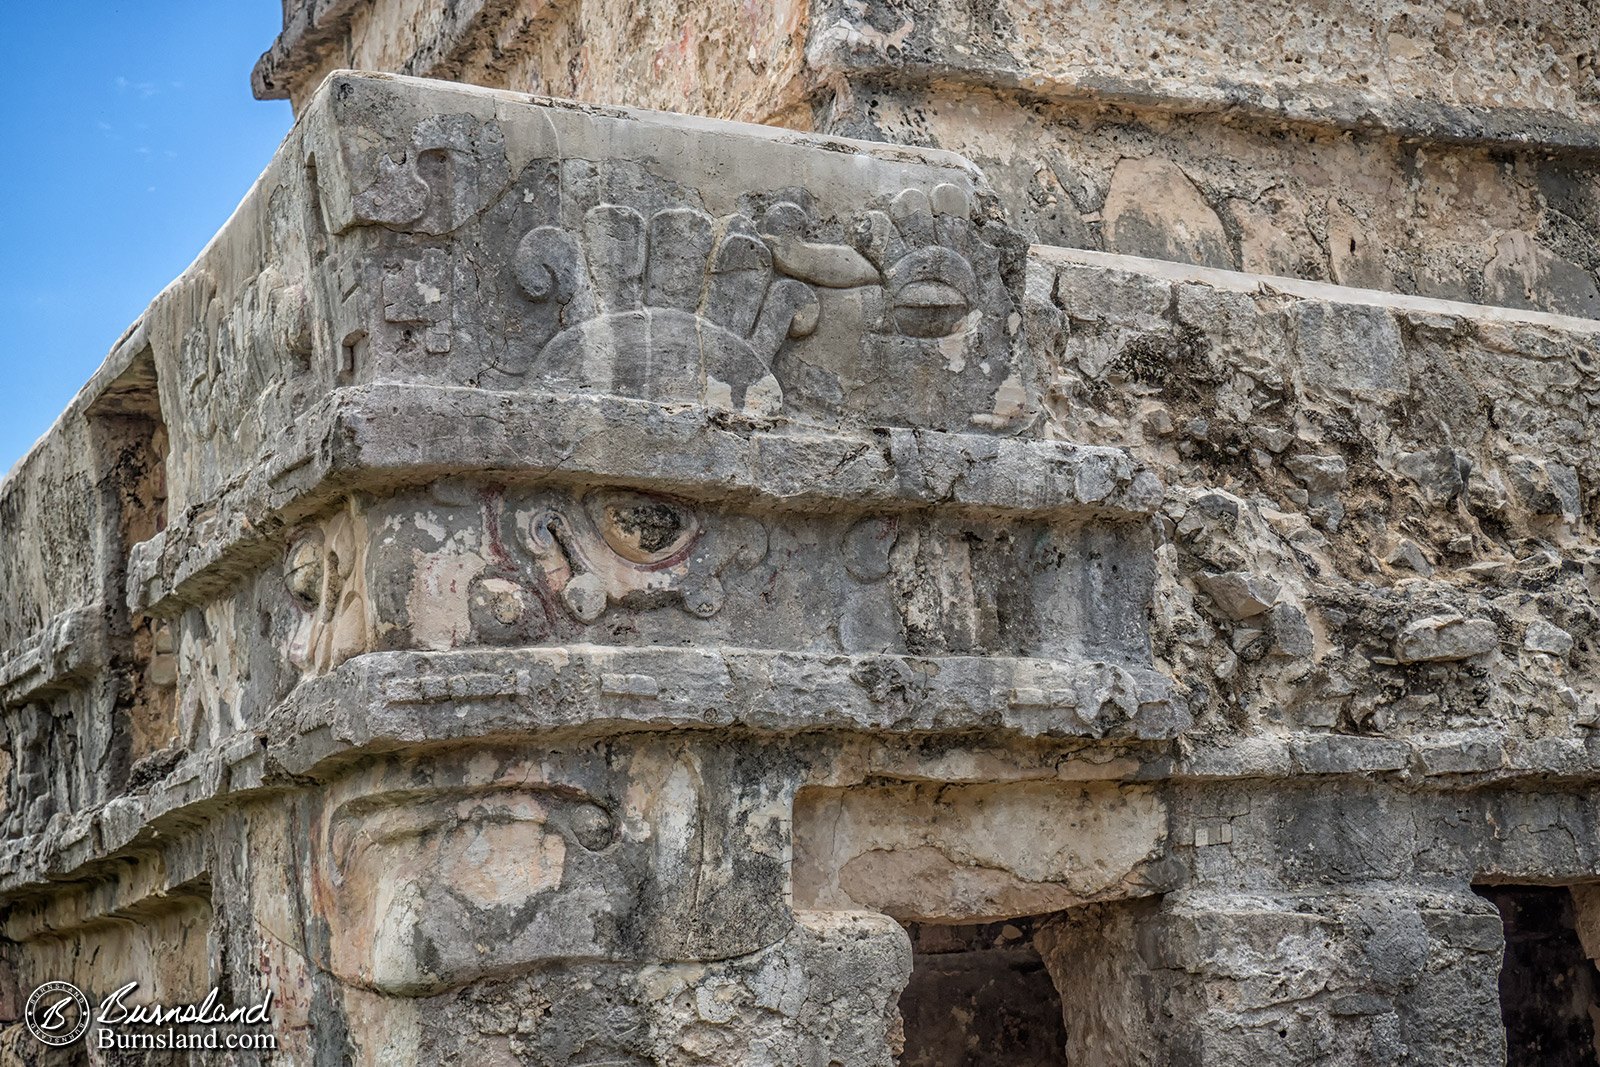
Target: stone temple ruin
<point>1072,544</point>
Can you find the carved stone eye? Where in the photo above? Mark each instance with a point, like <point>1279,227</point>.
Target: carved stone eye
<point>931,292</point>
<point>302,571</point>
<point>643,529</point>
<point>592,825</point>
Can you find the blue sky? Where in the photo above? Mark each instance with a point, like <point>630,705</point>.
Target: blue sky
<point>133,136</point>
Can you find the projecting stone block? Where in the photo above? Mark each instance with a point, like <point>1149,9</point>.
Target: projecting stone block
<point>1218,979</point>
<point>1445,637</point>
<point>949,854</point>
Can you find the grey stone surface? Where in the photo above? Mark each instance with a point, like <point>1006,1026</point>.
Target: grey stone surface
<point>1446,152</point>
<point>1544,636</point>
<point>1445,637</point>
<point>1225,979</point>
<point>559,584</point>
<point>1440,473</point>
<point>1239,594</point>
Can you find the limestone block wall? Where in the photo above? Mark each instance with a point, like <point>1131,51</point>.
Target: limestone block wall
<point>561,584</point>
<point>545,497</point>
<point>1439,149</point>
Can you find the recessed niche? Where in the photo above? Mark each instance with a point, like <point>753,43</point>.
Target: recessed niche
<point>131,446</point>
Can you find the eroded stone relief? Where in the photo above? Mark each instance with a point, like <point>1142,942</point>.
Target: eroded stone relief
<point>478,564</point>
<point>325,574</point>
<point>632,549</point>
<point>628,590</point>
<point>505,861</point>
<point>615,281</point>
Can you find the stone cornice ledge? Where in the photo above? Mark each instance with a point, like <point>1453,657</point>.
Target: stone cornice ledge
<point>384,435</point>
<point>388,699</point>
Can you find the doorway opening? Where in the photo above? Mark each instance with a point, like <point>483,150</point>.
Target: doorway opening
<point>1549,989</point>
<point>980,996</point>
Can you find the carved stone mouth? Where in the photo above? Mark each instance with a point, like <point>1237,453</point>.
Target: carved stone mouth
<point>929,309</point>
<point>931,289</point>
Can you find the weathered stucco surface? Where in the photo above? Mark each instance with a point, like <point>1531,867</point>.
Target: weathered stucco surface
<point>1443,149</point>
<point>548,495</point>
<point>556,584</point>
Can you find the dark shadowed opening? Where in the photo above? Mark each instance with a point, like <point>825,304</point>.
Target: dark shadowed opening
<point>1548,986</point>
<point>130,464</point>
<point>980,996</point>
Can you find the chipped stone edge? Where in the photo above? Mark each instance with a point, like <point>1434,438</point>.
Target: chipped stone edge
<point>1321,292</point>
<point>369,435</point>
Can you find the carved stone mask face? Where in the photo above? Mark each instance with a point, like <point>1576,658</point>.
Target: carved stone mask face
<point>432,873</point>
<point>624,545</point>
<point>417,884</point>
<point>323,573</point>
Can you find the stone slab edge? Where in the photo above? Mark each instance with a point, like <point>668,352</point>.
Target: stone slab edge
<point>1323,292</point>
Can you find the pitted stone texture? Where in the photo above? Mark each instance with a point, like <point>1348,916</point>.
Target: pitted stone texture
<point>974,853</point>
<point>1318,548</point>
<point>543,555</point>
<point>826,993</point>
<point>1335,978</point>
<point>1443,71</point>
<point>1433,217</point>
<point>714,60</point>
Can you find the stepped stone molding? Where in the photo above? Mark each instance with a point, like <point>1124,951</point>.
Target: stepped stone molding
<point>1445,71</point>
<point>1443,149</point>
<point>563,584</point>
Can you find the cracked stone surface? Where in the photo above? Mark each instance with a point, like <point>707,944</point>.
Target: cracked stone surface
<point>557,584</point>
